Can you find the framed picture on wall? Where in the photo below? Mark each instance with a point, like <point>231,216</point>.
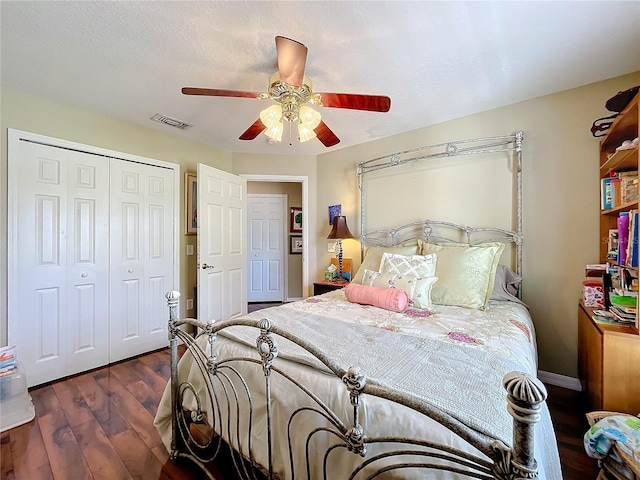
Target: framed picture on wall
<point>191,203</point>
<point>295,244</point>
<point>296,220</point>
<point>334,211</point>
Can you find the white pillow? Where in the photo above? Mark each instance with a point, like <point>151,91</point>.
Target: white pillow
<point>416,265</point>
<point>466,272</point>
<point>373,256</point>
<point>418,288</point>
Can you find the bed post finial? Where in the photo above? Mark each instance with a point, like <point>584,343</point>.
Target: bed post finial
<point>173,300</point>
<point>525,395</point>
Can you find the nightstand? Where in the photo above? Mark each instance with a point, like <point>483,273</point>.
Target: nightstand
<point>324,287</point>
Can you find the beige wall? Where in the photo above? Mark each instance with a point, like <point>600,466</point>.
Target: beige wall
<point>29,113</point>
<point>293,191</point>
<point>561,199</point>
<point>560,189</point>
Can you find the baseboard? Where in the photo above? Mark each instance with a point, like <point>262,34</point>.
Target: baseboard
<point>294,299</point>
<point>560,380</point>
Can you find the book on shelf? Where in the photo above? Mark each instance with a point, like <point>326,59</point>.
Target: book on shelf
<point>634,243</point>
<point>618,189</point>
<point>612,245</point>
<point>628,186</point>
<point>616,194</point>
<point>623,236</point>
<point>606,198</point>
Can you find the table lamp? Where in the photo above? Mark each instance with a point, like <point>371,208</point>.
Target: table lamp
<point>339,232</point>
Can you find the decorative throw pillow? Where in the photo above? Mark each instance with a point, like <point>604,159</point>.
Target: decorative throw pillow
<point>418,288</point>
<point>466,272</point>
<point>416,265</point>
<point>373,256</point>
<point>387,298</point>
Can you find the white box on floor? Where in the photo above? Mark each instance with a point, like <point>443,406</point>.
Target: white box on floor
<point>16,407</point>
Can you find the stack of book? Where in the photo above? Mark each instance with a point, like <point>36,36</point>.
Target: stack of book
<point>623,308</point>
<point>619,189</point>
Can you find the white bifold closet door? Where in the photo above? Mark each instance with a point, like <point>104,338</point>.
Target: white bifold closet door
<point>91,256</point>
<point>59,315</point>
<point>142,249</point>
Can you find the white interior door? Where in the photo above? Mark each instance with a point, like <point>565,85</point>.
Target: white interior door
<point>58,289</point>
<point>265,249</point>
<point>222,253</point>
<point>141,256</point>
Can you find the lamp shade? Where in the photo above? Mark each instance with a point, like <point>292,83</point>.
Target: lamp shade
<point>340,229</point>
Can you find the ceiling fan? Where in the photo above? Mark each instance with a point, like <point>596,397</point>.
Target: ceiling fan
<point>292,91</point>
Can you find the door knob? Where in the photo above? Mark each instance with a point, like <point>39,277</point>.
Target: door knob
<point>83,275</point>
<point>207,267</point>
<point>130,270</point>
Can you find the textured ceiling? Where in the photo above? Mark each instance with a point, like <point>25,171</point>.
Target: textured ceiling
<point>436,60</point>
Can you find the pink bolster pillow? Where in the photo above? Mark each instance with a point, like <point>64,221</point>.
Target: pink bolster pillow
<point>392,299</point>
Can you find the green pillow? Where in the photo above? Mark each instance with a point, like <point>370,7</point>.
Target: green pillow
<point>466,273</point>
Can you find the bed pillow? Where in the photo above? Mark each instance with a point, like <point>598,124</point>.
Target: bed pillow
<point>505,287</point>
<point>416,265</point>
<point>466,272</point>
<point>418,289</point>
<point>388,298</point>
<point>373,256</point>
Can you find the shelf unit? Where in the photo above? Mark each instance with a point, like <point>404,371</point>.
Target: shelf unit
<point>624,127</point>
<point>609,354</point>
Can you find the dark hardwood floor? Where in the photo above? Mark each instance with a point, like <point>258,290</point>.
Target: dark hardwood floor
<point>100,425</point>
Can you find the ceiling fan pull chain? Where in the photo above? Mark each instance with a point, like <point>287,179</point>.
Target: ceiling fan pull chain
<point>290,141</point>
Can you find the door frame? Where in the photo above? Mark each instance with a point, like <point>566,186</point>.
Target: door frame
<point>13,137</point>
<point>304,180</point>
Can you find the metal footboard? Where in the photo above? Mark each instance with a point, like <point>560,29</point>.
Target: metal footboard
<point>227,411</point>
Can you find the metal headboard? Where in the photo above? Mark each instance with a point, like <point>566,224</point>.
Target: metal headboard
<point>439,230</point>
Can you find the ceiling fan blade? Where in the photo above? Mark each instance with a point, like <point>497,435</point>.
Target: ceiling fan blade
<point>253,131</point>
<point>292,58</point>
<point>218,92</point>
<point>372,103</point>
<point>325,135</point>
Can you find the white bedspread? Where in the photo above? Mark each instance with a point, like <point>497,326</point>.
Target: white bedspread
<point>466,353</point>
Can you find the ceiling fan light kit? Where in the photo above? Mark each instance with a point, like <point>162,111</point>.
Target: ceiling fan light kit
<point>291,91</point>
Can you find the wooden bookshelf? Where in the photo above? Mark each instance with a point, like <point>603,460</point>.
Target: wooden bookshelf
<point>609,354</point>
<point>624,127</point>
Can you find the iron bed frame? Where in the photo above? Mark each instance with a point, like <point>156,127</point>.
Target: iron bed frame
<point>228,391</point>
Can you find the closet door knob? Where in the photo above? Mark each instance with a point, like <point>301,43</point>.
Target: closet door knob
<point>83,275</point>
<point>130,270</point>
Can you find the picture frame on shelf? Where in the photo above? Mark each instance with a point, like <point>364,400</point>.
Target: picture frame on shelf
<point>295,244</point>
<point>191,203</point>
<point>296,220</point>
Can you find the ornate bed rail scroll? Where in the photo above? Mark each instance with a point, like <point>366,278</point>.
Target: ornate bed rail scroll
<point>226,411</point>
<point>507,143</point>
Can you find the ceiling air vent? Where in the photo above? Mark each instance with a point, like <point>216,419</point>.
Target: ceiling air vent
<point>172,122</point>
